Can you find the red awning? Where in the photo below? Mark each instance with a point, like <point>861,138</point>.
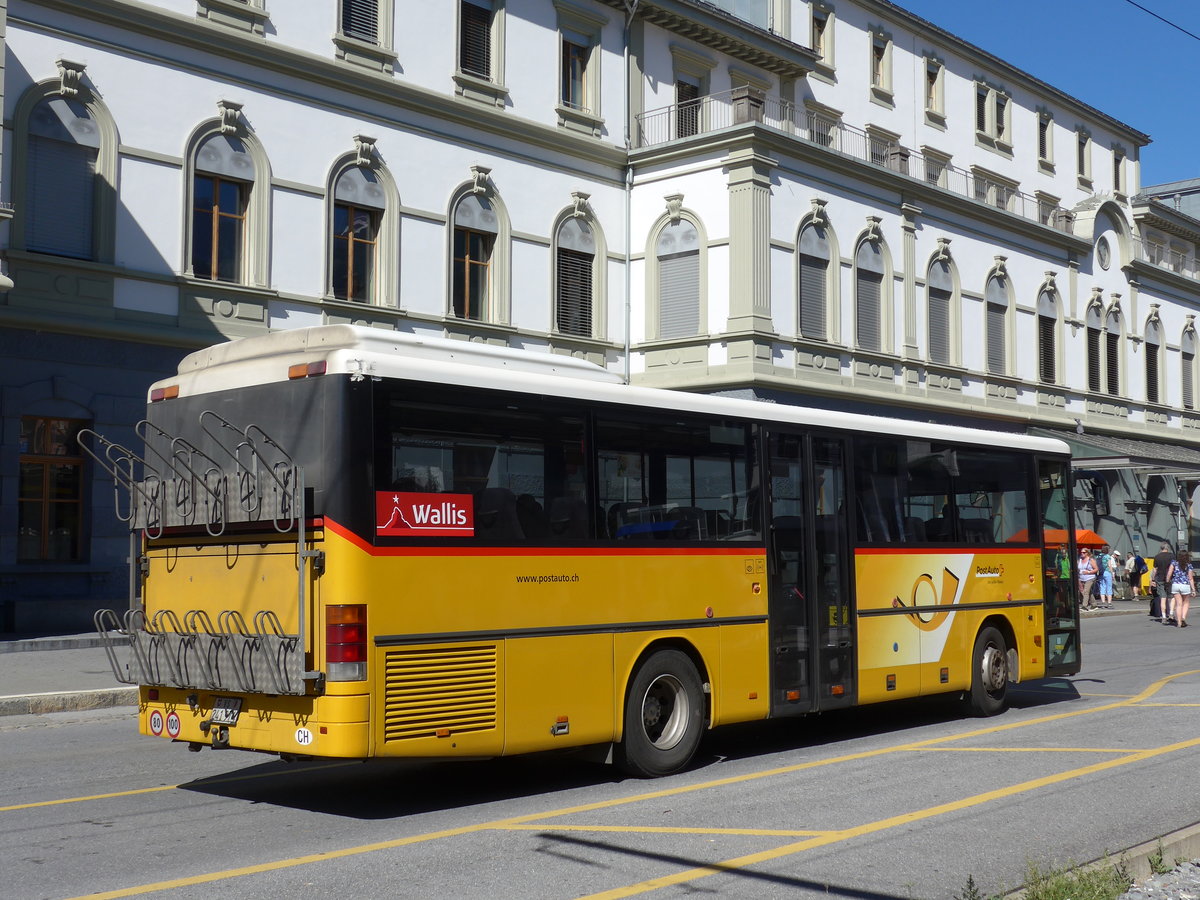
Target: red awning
<point>1084,537</point>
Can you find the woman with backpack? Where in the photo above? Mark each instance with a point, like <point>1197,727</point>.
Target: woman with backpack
<point>1183,585</point>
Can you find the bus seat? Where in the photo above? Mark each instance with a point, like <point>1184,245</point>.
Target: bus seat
<point>977,531</point>
<point>496,515</point>
<point>618,516</point>
<point>568,517</point>
<point>690,524</point>
<point>532,517</point>
<point>938,529</point>
<point>914,530</point>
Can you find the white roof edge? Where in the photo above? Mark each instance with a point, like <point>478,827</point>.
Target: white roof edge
<point>356,350</point>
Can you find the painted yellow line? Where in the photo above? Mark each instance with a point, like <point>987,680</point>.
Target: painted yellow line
<point>1182,705</point>
<point>663,829</point>
<point>1029,750</point>
<point>742,862</point>
<point>636,798</point>
<point>226,779</point>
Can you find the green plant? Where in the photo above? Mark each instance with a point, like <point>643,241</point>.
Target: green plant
<point>970,891</point>
<point>1106,882</point>
<point>1158,865</point>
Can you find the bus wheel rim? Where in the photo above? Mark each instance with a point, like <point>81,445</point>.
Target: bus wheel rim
<point>994,669</point>
<point>665,712</point>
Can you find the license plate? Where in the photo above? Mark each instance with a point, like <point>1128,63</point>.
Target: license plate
<point>225,710</point>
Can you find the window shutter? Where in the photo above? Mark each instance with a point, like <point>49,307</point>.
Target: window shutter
<point>61,192</point>
<point>1046,349</point>
<point>997,355</point>
<point>574,312</point>
<point>1093,359</point>
<point>475,39</point>
<point>679,295</point>
<point>939,325</point>
<point>813,297</point>
<point>1113,352</point>
<point>1152,373</point>
<point>360,19</point>
<point>981,97</point>
<point>867,309</point>
<point>1188,381</point>
<point>687,109</point>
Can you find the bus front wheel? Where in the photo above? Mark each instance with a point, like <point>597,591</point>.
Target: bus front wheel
<point>664,716</point>
<point>989,679</point>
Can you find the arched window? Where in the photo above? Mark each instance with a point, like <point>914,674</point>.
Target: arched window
<point>1047,324</point>
<point>1187,349</point>
<point>996,325</point>
<point>575,262</point>
<point>1153,359</point>
<point>476,226</point>
<point>677,252</point>
<point>941,293</point>
<point>1112,352</point>
<point>62,153</point>
<point>224,176</point>
<point>813,281</point>
<point>1093,348</point>
<point>359,204</point>
<point>868,295</point>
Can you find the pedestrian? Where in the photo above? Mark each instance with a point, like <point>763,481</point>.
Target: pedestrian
<point>1158,581</point>
<point>1104,578</point>
<point>1135,567</point>
<point>1183,586</point>
<point>1087,576</point>
<point>1117,565</point>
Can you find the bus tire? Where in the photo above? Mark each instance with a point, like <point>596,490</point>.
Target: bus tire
<point>664,716</point>
<point>989,673</point>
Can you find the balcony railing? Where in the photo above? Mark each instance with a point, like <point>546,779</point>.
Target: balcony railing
<point>716,111</point>
<point>1166,258</point>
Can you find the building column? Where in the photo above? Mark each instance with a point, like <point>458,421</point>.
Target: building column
<point>749,241</point>
<point>912,349</point>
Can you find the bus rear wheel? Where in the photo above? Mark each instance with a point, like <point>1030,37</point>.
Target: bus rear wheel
<point>989,678</point>
<point>664,716</point>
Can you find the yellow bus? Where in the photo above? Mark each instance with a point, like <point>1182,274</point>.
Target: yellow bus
<point>354,543</point>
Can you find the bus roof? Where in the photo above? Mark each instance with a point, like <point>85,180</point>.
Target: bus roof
<point>370,352</point>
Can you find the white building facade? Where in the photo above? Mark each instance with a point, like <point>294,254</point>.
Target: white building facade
<point>808,201</point>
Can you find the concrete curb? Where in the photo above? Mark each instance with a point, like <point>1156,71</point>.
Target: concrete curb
<point>70,642</point>
<point>1181,844</point>
<point>67,701</point>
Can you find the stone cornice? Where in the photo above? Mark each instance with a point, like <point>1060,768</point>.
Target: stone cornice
<point>772,143</point>
<point>286,71</point>
<point>1158,214</point>
<point>726,33</point>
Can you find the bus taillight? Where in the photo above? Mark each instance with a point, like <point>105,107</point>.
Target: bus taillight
<point>346,642</point>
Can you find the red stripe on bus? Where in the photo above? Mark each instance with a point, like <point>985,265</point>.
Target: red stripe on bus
<point>340,530</point>
<point>940,551</point>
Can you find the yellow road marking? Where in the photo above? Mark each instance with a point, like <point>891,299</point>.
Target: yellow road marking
<point>742,862</point>
<point>225,779</point>
<point>1030,750</point>
<point>685,789</point>
<point>653,829</point>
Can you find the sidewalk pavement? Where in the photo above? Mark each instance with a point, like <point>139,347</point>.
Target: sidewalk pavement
<point>71,672</point>
<point>58,674</point>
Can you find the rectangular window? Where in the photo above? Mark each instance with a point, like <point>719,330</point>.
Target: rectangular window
<point>49,490</point>
<point>475,39</point>
<point>574,292</point>
<point>676,480</point>
<point>354,238</point>
<point>911,491</point>
<point>933,87</point>
<point>687,108</point>
<point>218,228</point>
<point>522,468</point>
<point>1112,347</point>
<point>1118,172</point>
<point>472,264</point>
<point>360,20</point>
<point>1001,129</point>
<point>1083,157</point>
<point>1044,138</point>
<point>574,70</point>
<point>1046,349</point>
<point>820,27</point>
<point>981,109</point>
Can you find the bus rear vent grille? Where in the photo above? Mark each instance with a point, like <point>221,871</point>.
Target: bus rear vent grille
<point>430,691</point>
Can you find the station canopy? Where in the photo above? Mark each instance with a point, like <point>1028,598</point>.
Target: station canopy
<point>1103,452</point>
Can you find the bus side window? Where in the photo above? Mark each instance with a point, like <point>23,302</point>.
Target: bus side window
<point>496,515</point>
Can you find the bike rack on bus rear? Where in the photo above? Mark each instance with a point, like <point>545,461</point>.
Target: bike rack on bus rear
<point>185,487</point>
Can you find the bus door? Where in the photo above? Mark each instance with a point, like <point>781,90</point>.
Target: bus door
<point>1059,584</point>
<point>812,628</point>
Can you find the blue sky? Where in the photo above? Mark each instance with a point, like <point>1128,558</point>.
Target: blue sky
<point>1107,53</point>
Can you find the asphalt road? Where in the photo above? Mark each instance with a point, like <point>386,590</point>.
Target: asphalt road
<point>897,801</point>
